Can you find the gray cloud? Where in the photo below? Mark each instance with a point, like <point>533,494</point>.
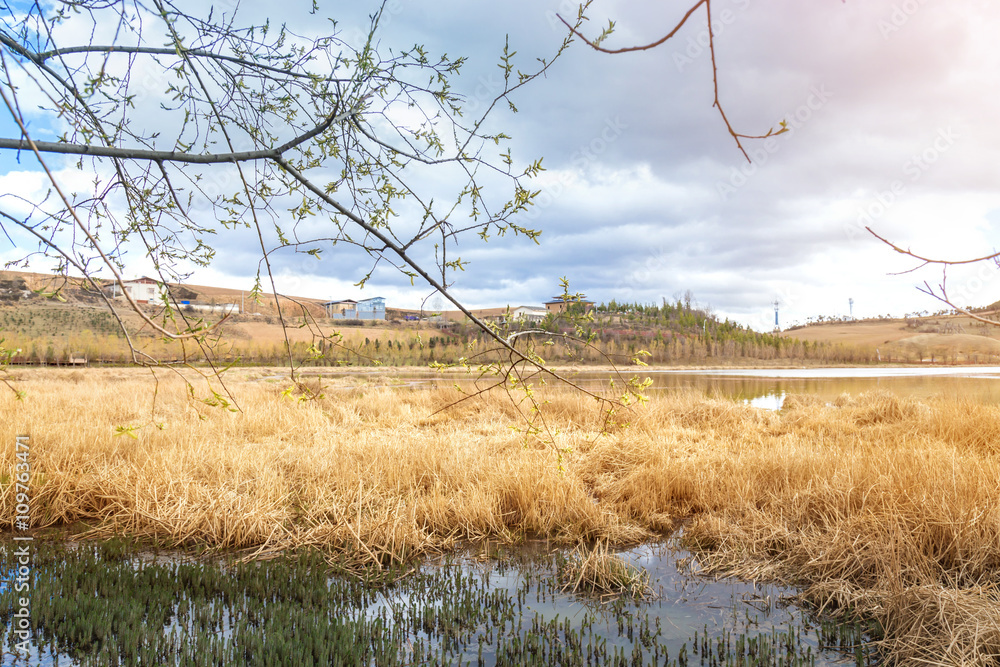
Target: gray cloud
<point>647,195</point>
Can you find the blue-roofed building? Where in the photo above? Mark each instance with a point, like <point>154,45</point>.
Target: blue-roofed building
<point>371,309</point>
<point>348,309</point>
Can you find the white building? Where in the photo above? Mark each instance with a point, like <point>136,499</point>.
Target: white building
<point>528,314</point>
<point>144,290</point>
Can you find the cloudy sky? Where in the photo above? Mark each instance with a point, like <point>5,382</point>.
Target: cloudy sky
<point>892,109</point>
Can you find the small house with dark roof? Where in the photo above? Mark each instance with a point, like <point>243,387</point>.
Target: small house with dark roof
<point>560,304</point>
<point>347,309</point>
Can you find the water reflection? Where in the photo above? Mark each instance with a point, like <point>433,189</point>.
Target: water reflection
<point>772,401</point>
<point>766,388</point>
<point>102,604</point>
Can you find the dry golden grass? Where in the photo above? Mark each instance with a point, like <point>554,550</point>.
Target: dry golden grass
<point>883,506</point>
<point>600,572</point>
<point>943,346</point>
<point>866,333</point>
<point>266,333</point>
<point>963,331</point>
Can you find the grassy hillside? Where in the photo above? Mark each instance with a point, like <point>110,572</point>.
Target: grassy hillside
<point>932,339</point>
<point>51,320</point>
<point>23,287</point>
<point>52,333</point>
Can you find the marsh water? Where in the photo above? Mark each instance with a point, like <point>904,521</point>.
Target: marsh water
<point>766,388</point>
<point>106,604</point>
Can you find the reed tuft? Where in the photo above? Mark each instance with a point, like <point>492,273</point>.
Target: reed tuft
<point>597,571</point>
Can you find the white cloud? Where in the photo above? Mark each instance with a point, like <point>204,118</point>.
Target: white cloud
<point>631,205</point>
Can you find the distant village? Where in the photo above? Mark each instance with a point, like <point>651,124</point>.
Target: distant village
<point>71,327</point>
<point>146,290</point>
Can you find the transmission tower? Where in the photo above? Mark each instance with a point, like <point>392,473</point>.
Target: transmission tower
<point>776,304</point>
<point>850,303</point>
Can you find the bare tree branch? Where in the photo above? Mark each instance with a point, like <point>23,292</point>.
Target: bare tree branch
<point>596,44</point>
<point>308,138</point>
<point>930,260</point>
<point>83,228</point>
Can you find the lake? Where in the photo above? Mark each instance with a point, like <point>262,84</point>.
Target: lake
<point>766,388</point>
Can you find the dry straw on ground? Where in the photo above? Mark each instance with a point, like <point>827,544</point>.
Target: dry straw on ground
<point>600,572</point>
<point>877,505</point>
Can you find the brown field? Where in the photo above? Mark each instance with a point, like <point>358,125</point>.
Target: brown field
<point>271,332</point>
<point>876,505</point>
<point>853,333</point>
<point>80,326</point>
<point>58,331</point>
<point>78,292</point>
<point>948,339</point>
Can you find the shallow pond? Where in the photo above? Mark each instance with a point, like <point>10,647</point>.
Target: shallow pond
<point>766,388</point>
<point>106,604</point>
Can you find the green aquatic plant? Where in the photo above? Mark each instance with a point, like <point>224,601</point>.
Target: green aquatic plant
<point>115,603</point>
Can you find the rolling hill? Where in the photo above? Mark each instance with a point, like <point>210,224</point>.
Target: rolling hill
<point>930,339</point>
